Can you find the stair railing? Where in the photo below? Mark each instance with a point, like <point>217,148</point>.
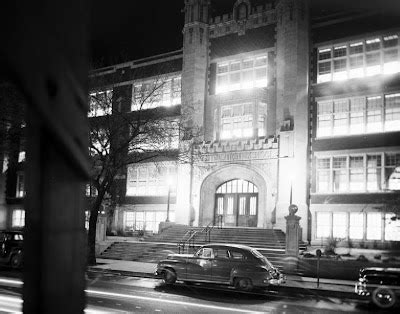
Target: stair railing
<point>187,240</point>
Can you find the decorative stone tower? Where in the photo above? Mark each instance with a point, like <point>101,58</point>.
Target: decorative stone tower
<point>194,90</point>
<point>195,64</point>
<point>292,60</point>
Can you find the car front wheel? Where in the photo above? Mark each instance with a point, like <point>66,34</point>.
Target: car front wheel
<point>383,297</point>
<point>168,276</point>
<point>243,284</point>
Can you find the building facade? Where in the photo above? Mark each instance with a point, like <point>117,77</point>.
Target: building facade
<point>288,103</point>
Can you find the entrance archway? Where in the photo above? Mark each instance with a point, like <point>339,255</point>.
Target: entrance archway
<point>231,172</point>
<point>236,203</point>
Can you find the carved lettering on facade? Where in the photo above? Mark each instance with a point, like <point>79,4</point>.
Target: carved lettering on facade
<point>240,156</point>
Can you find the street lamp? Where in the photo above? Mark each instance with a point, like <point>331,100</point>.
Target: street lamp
<point>169,183</point>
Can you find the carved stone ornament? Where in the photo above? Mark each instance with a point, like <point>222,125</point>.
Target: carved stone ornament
<point>293,209</point>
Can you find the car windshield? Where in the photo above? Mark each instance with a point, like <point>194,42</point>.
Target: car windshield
<point>262,258</point>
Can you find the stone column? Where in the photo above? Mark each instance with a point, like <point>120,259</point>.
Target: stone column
<point>292,238</point>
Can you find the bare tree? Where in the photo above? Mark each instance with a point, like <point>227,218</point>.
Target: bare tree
<point>121,136</point>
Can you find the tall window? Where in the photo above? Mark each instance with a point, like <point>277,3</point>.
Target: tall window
<point>377,55</point>
<point>151,179</point>
<point>323,174</point>
<point>392,112</point>
<point>358,115</point>
<point>20,184</point>
<point>242,74</point>
<point>392,161</point>
<point>339,225</point>
<point>374,173</point>
<point>356,226</point>
<point>324,224</point>
<point>100,103</point>
<point>237,121</point>
<point>374,226</point>
<point>18,218</point>
<point>339,174</point>
<point>159,92</point>
<point>358,173</point>
<point>392,227</point>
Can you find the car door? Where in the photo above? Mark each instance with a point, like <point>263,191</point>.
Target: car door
<point>199,266</point>
<point>221,266</point>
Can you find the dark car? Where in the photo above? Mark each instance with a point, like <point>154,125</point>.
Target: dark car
<point>237,265</point>
<point>380,285</point>
<point>11,248</point>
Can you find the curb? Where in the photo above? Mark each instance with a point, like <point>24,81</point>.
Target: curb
<point>284,288</point>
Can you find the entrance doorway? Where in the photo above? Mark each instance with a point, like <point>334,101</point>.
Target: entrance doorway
<point>236,204</point>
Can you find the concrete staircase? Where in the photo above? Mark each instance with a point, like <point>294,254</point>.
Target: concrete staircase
<point>270,242</point>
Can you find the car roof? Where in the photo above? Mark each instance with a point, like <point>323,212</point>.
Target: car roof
<point>382,270</point>
<point>12,231</point>
<point>226,245</point>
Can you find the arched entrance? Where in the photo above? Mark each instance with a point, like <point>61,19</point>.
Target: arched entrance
<point>213,185</point>
<point>236,203</point>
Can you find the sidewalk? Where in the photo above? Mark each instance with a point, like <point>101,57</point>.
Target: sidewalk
<point>326,287</point>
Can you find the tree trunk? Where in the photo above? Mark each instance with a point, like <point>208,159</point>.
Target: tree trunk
<point>94,212</point>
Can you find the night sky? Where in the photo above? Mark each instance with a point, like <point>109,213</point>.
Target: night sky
<point>123,30</point>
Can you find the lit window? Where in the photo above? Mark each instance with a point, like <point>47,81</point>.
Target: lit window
<point>339,166</point>
<point>21,156</point>
<point>392,162</point>
<point>356,226</point>
<point>324,54</point>
<point>374,173</point>
<point>324,226</point>
<point>261,125</point>
<point>151,179</point>
<point>340,117</point>
<point>373,63</point>
<point>374,114</point>
<point>100,103</point>
<point>129,221</point>
<point>392,227</point>
<point>324,127</point>
<point>357,108</point>
<point>356,48</point>
<point>374,226</point>
<point>364,59</point>
<point>237,121</point>
<point>20,192</point>
<point>340,51</point>
<point>372,44</point>
<point>339,224</point>
<point>323,174</point>
<point>18,218</point>
<point>242,74</point>
<point>159,92</point>
<point>356,174</point>
<point>390,41</point>
<point>392,112</point>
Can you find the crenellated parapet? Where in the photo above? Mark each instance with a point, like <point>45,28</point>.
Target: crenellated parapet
<point>242,17</point>
<point>230,151</point>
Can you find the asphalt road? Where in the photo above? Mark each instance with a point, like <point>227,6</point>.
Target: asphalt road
<point>121,294</point>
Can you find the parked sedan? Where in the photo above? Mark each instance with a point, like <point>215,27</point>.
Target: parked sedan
<point>11,248</point>
<point>237,265</point>
<point>380,285</point>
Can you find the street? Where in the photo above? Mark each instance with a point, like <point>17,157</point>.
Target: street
<point>112,293</point>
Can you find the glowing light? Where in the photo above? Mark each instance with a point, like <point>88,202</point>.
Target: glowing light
<point>391,67</point>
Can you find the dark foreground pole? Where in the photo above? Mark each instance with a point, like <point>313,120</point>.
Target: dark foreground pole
<point>44,52</point>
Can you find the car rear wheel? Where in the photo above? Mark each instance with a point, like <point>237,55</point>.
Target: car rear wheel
<point>169,276</point>
<point>243,284</point>
<point>16,261</point>
<point>383,297</point>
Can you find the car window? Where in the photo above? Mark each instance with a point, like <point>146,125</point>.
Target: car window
<point>2,237</point>
<point>205,253</point>
<point>221,253</point>
<point>18,237</point>
<point>237,255</point>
